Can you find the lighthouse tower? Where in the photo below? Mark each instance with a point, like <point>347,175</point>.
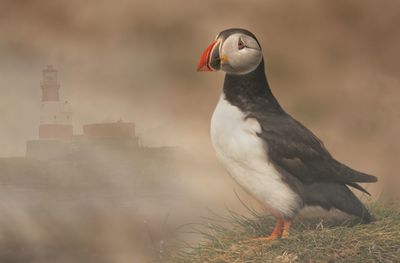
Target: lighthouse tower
<point>55,119</point>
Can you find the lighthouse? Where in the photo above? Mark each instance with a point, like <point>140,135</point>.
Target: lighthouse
<point>56,138</point>
<point>55,117</point>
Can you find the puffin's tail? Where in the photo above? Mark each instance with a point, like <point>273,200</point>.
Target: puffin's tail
<point>351,177</point>
<point>358,187</point>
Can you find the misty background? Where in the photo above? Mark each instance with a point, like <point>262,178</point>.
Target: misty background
<point>333,65</point>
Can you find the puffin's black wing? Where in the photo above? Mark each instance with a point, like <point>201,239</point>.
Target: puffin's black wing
<point>295,149</point>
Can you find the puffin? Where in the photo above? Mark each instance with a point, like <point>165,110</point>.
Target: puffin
<point>271,155</point>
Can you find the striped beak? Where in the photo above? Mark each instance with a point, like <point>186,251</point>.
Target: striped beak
<point>210,59</point>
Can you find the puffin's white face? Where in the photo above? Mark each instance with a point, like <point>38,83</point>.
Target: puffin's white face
<point>240,54</point>
<point>232,52</point>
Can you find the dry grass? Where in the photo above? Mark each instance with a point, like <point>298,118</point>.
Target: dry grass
<point>324,240</point>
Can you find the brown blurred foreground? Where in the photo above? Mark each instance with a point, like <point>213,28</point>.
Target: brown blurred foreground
<point>100,207</point>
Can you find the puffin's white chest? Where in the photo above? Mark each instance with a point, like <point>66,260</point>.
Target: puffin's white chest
<point>243,154</point>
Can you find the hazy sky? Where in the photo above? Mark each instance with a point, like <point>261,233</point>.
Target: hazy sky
<point>333,65</point>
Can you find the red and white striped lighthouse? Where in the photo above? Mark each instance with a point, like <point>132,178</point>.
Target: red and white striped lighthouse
<point>55,119</point>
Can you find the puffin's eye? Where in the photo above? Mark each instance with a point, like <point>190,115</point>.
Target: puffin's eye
<point>241,45</point>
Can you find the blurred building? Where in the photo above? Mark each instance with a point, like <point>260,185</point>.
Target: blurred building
<point>56,138</point>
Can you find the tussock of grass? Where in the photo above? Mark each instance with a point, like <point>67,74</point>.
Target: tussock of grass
<point>320,240</point>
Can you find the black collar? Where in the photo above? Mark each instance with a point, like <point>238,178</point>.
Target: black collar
<point>250,92</point>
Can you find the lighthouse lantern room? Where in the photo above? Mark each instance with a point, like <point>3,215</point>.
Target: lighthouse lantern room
<point>55,121</point>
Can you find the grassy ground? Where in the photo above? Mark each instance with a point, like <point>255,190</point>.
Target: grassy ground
<point>322,240</point>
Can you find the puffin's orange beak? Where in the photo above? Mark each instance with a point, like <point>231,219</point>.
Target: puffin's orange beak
<point>207,59</point>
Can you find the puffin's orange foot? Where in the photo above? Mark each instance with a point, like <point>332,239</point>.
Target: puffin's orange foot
<point>281,229</point>
<point>274,236</point>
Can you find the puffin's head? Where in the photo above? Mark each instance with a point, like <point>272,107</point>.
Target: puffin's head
<point>234,51</point>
